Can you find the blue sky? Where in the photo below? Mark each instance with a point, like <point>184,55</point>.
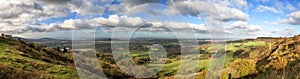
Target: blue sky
<point>235,18</point>
<point>268,19</point>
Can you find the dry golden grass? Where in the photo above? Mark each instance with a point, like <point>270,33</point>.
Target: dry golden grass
<point>243,67</point>
<point>280,63</point>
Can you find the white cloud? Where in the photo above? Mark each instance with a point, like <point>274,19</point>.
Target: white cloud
<point>29,11</point>
<point>85,7</point>
<point>240,4</point>
<point>276,31</point>
<point>121,21</point>
<point>19,16</point>
<point>241,25</point>
<point>133,22</point>
<point>262,0</point>
<point>262,8</point>
<point>238,25</point>
<point>293,18</point>
<point>186,26</point>
<point>132,3</point>
<point>290,7</point>
<point>279,5</point>
<point>207,9</point>
<point>287,31</point>
<point>114,21</point>
<point>254,28</point>
<point>228,14</point>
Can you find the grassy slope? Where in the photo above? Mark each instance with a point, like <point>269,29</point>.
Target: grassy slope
<point>17,58</point>
<point>259,59</point>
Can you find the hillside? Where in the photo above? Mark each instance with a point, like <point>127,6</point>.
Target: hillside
<point>20,59</point>
<point>277,58</point>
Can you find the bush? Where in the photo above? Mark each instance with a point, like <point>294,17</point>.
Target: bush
<point>280,63</point>
<point>243,66</point>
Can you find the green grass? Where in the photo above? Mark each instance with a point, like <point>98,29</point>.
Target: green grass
<point>11,57</point>
<point>33,65</point>
<point>138,54</point>
<point>229,58</point>
<point>236,46</point>
<point>233,46</point>
<point>171,68</point>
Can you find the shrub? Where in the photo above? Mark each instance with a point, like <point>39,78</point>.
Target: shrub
<point>243,66</point>
<point>280,63</point>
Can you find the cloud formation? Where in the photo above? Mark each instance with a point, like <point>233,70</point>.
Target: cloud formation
<point>240,25</point>
<point>290,7</point>
<point>293,18</point>
<point>132,3</point>
<point>262,8</point>
<point>262,0</point>
<point>205,8</point>
<point>113,21</point>
<point>287,31</point>
<point>22,16</point>
<point>17,16</point>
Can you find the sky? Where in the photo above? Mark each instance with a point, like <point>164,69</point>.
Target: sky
<point>150,18</point>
